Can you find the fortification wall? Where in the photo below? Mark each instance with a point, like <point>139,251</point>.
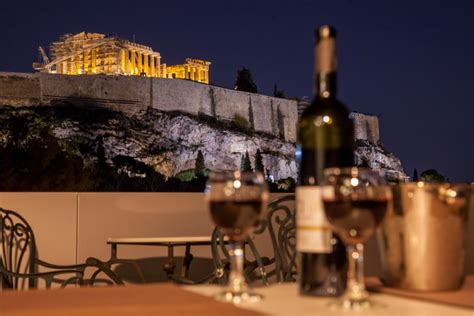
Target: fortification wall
<point>366,127</point>
<point>134,94</point>
<point>19,89</point>
<point>179,95</point>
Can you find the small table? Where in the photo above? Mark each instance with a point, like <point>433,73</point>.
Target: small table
<point>170,243</point>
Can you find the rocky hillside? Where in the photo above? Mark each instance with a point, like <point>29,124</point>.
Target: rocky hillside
<point>376,156</point>
<point>86,147</point>
<point>74,147</point>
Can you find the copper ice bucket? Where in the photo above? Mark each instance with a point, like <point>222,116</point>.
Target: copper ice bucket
<point>423,237</point>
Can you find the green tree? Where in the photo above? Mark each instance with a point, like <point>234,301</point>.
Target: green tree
<point>431,175</point>
<point>415,175</point>
<point>244,81</point>
<point>245,164</point>
<point>251,119</point>
<point>200,166</point>
<point>259,162</point>
<point>278,93</point>
<point>280,123</point>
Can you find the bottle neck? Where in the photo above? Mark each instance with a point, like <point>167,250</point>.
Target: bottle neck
<point>325,65</point>
<point>325,85</point>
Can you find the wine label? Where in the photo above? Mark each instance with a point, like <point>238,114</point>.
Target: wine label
<point>313,232</point>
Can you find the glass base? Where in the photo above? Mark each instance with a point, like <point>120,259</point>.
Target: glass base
<point>356,305</point>
<point>239,297</point>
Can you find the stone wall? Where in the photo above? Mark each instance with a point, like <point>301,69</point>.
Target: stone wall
<point>366,127</point>
<point>19,89</point>
<point>134,94</point>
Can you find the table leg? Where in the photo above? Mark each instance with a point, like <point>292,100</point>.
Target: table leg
<point>113,254</point>
<point>188,257</point>
<point>170,265</point>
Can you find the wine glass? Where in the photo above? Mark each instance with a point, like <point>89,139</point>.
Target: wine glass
<point>237,201</point>
<point>355,202</point>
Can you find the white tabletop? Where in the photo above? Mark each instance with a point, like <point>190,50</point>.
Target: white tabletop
<point>283,299</point>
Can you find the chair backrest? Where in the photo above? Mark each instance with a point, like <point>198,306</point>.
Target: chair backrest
<point>17,250</point>
<point>281,226</point>
<point>19,262</point>
<point>278,226</point>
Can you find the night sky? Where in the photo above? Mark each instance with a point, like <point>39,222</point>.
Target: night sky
<point>408,62</point>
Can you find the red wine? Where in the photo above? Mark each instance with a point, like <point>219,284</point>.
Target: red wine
<point>325,139</point>
<point>355,221</point>
<point>236,218</point>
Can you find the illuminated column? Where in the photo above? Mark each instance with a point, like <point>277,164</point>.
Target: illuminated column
<point>127,62</point>
<point>186,72</point>
<point>93,61</point>
<point>133,56</point>
<point>163,70</point>
<point>145,64</point>
<point>139,63</point>
<point>111,63</point>
<point>152,66</point>
<point>72,66</point>
<point>199,78</point>
<point>86,61</point>
<point>98,61</point>
<point>122,61</point>
<point>158,67</point>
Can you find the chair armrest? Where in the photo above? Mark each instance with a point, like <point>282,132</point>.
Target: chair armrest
<point>58,267</point>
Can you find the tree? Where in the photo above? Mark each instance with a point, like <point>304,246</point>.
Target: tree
<point>245,164</point>
<point>415,175</point>
<point>431,175</point>
<point>278,93</point>
<point>200,166</point>
<point>251,119</point>
<point>280,123</point>
<point>244,81</point>
<point>259,162</point>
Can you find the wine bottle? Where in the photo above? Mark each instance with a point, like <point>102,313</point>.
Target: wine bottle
<point>325,139</point>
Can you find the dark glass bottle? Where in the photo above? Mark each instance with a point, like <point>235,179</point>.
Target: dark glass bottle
<point>325,139</point>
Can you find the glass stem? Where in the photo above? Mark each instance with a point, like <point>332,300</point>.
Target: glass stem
<point>237,282</point>
<point>355,277</point>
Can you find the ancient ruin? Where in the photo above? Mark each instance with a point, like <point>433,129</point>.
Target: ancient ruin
<point>94,53</point>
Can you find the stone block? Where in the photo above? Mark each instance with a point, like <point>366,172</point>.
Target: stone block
<point>180,95</point>
<point>128,94</point>
<point>19,89</point>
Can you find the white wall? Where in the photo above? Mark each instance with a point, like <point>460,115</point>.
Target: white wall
<point>70,227</point>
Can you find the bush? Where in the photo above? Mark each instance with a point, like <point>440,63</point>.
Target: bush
<point>241,122</point>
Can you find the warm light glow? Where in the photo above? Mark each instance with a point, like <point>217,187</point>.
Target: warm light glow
<point>325,31</point>
<point>452,193</point>
<point>237,184</point>
<point>354,182</point>
<point>95,53</point>
<point>193,69</point>
<point>420,184</point>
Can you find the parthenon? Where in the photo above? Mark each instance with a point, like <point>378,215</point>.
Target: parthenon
<point>95,53</point>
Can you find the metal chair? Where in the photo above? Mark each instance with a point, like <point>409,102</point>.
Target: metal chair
<point>279,224</point>
<point>20,265</point>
